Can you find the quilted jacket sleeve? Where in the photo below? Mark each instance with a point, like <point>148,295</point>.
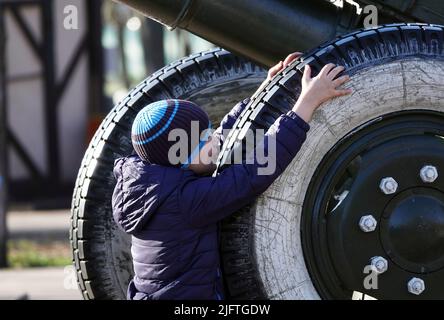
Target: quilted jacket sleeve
<point>206,200</point>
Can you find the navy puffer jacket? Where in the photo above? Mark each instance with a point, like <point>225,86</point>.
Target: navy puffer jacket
<point>172,214</point>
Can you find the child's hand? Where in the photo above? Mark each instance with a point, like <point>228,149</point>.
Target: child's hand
<point>282,64</point>
<point>319,89</point>
<point>278,67</point>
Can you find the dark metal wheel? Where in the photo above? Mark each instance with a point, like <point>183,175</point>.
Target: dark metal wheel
<point>283,255</point>
<point>352,215</point>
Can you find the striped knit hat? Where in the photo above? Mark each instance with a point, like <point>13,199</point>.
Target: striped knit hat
<point>153,123</point>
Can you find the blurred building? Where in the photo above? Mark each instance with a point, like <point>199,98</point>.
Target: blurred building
<point>63,75</point>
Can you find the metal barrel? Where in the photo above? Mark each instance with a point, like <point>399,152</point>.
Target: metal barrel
<point>264,31</point>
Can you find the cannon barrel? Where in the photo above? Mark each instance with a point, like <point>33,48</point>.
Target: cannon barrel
<point>261,30</point>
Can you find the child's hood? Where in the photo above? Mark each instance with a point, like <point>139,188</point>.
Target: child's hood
<point>140,190</point>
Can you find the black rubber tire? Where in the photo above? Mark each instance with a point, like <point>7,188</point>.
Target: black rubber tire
<point>214,79</point>
<point>359,51</point>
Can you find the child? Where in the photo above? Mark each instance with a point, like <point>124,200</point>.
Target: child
<point>172,210</point>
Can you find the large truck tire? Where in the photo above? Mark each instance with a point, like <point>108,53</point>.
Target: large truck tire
<point>215,80</point>
<point>305,237</point>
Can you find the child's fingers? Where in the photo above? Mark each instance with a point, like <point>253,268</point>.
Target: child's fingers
<point>326,69</point>
<point>341,80</point>
<point>274,70</point>
<point>307,72</point>
<point>333,73</point>
<point>291,57</point>
<point>342,92</point>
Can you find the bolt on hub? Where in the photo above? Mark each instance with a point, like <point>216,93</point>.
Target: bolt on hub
<point>368,223</point>
<point>416,286</point>
<point>428,174</point>
<point>380,264</point>
<point>388,185</point>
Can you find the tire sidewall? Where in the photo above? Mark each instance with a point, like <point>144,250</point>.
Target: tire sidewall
<point>404,84</point>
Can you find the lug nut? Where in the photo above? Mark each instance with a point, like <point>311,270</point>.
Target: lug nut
<point>416,286</point>
<point>388,185</point>
<point>379,264</point>
<point>428,174</point>
<point>368,223</point>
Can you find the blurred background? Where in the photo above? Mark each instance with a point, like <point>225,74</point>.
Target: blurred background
<point>58,80</point>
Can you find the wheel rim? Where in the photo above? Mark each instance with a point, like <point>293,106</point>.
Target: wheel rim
<point>339,243</point>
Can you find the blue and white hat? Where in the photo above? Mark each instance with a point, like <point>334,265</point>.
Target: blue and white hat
<point>153,123</point>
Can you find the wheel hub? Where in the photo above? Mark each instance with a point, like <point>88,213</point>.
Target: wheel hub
<point>392,211</point>
<point>412,230</point>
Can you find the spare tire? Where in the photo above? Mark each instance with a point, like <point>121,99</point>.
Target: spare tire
<point>215,80</point>
<point>304,238</point>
